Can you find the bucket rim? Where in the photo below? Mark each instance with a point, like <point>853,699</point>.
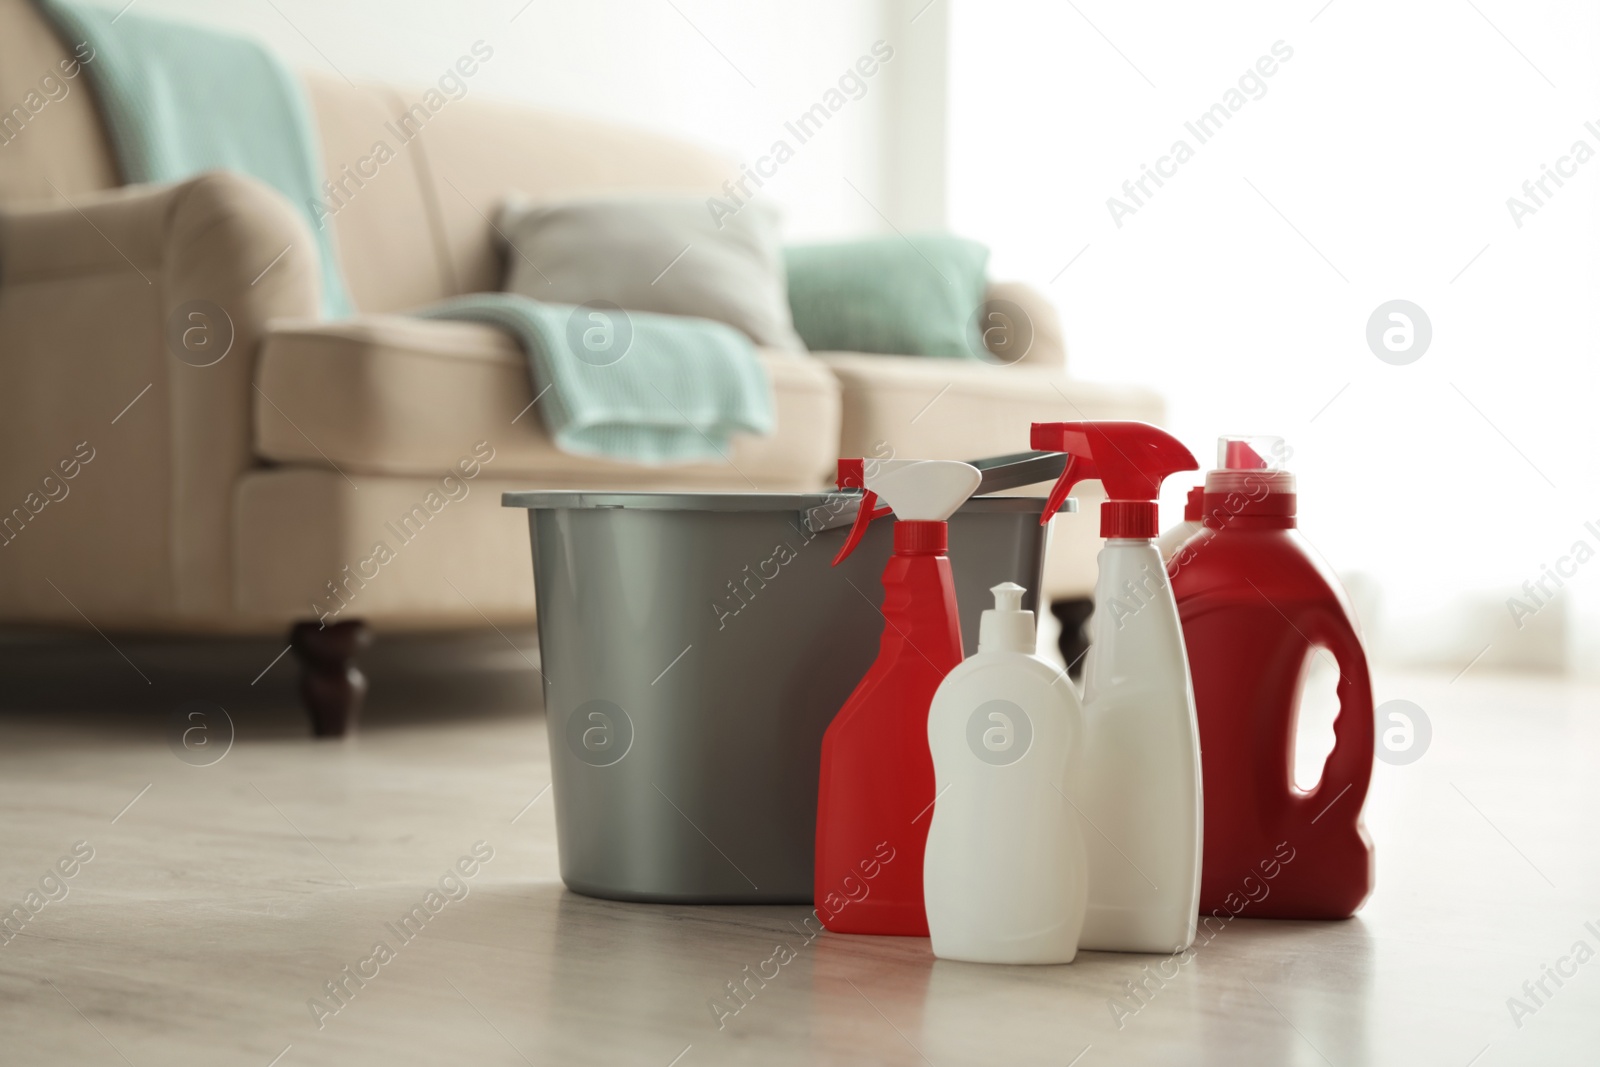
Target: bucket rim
<point>586,500</point>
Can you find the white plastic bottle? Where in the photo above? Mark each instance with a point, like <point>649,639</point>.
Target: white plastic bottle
<point>1140,790</point>
<point>1005,878</point>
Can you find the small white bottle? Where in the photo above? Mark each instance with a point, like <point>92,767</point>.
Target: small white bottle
<point>1005,878</point>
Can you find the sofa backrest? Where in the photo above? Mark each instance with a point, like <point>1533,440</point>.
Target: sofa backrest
<point>413,190</point>
<point>476,151</point>
<point>414,178</point>
<point>382,222</point>
<point>50,132</point>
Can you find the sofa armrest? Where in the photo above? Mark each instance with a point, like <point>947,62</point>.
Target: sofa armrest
<point>1020,315</point>
<point>130,321</point>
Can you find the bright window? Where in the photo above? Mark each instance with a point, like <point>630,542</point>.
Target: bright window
<point>1332,161</point>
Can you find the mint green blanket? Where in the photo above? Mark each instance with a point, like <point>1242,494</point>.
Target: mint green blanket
<point>631,385</point>
<point>179,99</point>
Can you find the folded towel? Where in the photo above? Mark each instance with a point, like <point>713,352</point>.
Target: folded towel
<point>629,385</point>
<point>179,99</point>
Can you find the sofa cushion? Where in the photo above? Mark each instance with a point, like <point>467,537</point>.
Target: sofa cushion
<point>653,253</point>
<point>919,296</point>
<point>383,394</point>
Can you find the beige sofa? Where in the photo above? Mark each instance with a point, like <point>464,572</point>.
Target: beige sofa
<point>238,496</point>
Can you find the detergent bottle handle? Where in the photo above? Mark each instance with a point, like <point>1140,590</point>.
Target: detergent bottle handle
<point>1349,764</point>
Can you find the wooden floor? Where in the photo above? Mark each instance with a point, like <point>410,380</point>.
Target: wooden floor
<point>219,900</point>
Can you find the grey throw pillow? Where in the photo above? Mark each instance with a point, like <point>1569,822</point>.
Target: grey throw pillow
<point>653,253</point>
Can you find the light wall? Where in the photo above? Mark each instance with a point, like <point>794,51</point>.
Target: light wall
<point>722,73</point>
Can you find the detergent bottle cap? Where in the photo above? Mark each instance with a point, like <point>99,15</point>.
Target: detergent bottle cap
<point>1250,453</point>
<point>1006,627</point>
<point>1249,482</point>
<point>915,491</point>
<point>1194,505</point>
<point>1129,458</point>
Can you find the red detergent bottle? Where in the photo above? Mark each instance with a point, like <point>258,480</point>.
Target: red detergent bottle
<point>1256,605</point>
<point>876,787</point>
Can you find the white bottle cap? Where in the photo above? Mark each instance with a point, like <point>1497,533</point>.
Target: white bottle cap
<point>1006,627</point>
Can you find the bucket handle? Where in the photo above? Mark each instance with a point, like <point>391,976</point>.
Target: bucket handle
<point>999,473</point>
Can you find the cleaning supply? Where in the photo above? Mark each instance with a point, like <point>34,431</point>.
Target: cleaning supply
<point>1256,607</point>
<point>1174,536</point>
<point>1139,793</point>
<point>730,732</point>
<point>1005,875</point>
<point>875,789</point>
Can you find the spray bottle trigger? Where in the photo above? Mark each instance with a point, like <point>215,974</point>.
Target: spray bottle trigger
<point>1077,470</point>
<point>858,530</point>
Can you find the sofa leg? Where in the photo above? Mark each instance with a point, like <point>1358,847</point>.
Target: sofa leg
<point>1074,618</point>
<point>331,685</point>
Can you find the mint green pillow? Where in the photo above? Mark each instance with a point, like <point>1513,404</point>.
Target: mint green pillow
<point>916,296</point>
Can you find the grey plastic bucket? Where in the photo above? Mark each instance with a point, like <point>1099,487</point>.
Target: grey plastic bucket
<point>694,648</point>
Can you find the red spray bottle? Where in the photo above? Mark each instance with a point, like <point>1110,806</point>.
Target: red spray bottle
<point>1255,607</point>
<point>876,786</point>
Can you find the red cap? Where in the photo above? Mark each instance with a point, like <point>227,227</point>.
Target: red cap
<point>1195,505</point>
<point>1238,455</point>
<point>1253,452</point>
<point>913,537</point>
<point>1129,458</point>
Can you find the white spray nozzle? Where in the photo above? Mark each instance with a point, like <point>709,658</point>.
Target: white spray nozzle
<point>927,490</point>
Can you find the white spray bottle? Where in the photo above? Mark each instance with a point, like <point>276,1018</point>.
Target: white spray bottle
<point>1005,878</point>
<point>1140,792</point>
